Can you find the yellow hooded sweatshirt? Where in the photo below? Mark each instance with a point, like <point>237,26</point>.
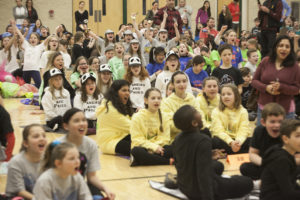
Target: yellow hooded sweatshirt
<point>172,103</point>
<point>230,124</point>
<point>112,127</point>
<point>207,106</point>
<point>145,130</point>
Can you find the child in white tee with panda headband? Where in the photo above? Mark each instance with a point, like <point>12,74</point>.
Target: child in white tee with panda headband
<point>56,100</point>
<point>88,99</point>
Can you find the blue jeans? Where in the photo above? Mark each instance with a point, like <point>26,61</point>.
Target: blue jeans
<point>290,115</point>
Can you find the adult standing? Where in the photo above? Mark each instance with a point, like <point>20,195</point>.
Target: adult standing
<point>185,10</point>
<point>203,14</point>
<point>277,77</point>
<point>19,12</point>
<point>173,16</point>
<point>81,17</point>
<point>269,15</point>
<point>32,13</point>
<point>209,32</point>
<point>234,8</point>
<point>288,11</point>
<point>225,18</point>
<point>151,13</point>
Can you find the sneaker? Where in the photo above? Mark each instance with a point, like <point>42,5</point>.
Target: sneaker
<point>171,181</point>
<point>133,162</point>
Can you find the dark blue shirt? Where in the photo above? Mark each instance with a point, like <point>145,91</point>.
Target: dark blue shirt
<point>196,79</point>
<point>152,68</point>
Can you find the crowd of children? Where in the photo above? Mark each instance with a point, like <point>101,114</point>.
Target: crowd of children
<point>158,100</point>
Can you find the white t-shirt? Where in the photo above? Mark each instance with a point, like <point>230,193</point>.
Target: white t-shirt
<point>44,59</point>
<point>50,186</point>
<point>89,107</point>
<point>57,106</point>
<point>167,45</point>
<point>67,59</point>
<point>22,175</point>
<point>32,56</point>
<point>11,65</point>
<point>164,78</point>
<point>137,91</point>
<point>251,67</point>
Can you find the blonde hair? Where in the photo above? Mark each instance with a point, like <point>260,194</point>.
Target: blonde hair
<point>52,88</point>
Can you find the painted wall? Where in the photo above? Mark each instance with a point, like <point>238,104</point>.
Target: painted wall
<point>62,12</point>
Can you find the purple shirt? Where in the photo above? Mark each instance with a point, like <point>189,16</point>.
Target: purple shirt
<point>202,15</point>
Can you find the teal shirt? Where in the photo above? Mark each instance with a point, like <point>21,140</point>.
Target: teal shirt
<point>117,68</point>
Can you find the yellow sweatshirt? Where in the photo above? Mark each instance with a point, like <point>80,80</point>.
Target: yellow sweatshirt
<point>145,131</point>
<point>172,103</point>
<point>112,127</point>
<point>207,108</point>
<point>230,125</point>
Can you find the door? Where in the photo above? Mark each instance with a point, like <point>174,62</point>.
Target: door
<point>221,3</point>
<point>103,15</point>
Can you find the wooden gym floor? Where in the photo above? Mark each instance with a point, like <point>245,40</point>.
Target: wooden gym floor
<point>125,181</point>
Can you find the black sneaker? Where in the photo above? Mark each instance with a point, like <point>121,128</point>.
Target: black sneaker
<point>171,181</point>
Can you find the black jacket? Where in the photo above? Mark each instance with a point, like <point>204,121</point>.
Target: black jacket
<point>278,175</point>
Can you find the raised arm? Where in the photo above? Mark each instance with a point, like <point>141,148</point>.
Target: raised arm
<point>16,30</point>
<point>218,37</point>
<point>163,23</point>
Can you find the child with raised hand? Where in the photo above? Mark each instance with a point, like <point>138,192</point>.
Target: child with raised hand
<point>56,100</point>
<point>196,74</point>
<point>178,98</point>
<point>265,136</point>
<point>184,55</point>
<point>231,38</point>
<point>230,125</point>
<point>150,133</point>
<point>192,151</point>
<point>209,99</point>
<point>88,99</point>
<point>81,67</point>
<point>9,52</point>
<point>32,53</point>
<point>75,123</point>
<point>156,62</point>
<point>226,73</point>
<point>114,118</point>
<point>139,81</point>
<point>60,178</point>
<point>279,169</point>
<point>23,168</point>
<point>52,47</point>
<point>116,62</point>
<point>104,78</point>
<point>135,50</point>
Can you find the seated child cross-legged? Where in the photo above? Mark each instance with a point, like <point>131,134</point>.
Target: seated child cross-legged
<point>279,169</point>
<point>150,133</point>
<point>230,125</point>
<point>192,151</point>
<point>264,136</point>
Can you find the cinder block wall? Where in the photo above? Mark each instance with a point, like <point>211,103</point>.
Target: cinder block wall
<point>62,12</point>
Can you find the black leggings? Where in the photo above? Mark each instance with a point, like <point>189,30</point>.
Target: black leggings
<point>234,187</point>
<point>217,143</point>
<point>143,157</point>
<point>251,170</point>
<point>56,120</point>
<point>123,147</point>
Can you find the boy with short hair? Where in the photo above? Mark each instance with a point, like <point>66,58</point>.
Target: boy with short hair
<point>265,136</point>
<point>226,73</point>
<point>252,60</point>
<point>278,178</point>
<point>255,30</point>
<point>245,72</point>
<point>192,151</point>
<point>108,54</point>
<point>196,73</point>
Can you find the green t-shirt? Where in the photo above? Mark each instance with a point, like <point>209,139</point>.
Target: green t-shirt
<point>244,56</point>
<point>75,76</point>
<point>117,68</point>
<point>214,56</point>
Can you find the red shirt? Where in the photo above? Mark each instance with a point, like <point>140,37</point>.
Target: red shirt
<point>233,9</point>
<point>204,33</point>
<point>288,77</point>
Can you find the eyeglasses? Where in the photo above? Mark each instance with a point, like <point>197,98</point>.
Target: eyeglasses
<point>82,64</point>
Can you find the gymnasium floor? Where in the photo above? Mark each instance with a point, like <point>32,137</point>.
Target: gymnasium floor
<point>125,181</point>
